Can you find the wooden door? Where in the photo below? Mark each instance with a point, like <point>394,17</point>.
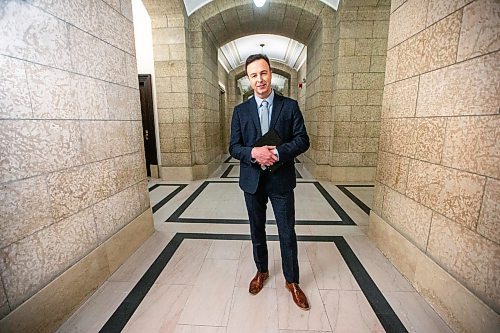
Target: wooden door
<point>148,120</point>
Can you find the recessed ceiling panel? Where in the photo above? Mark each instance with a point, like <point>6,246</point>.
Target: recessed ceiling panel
<point>279,48</point>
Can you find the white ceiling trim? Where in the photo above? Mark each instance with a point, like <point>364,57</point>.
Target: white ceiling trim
<point>277,48</point>
<point>194,5</point>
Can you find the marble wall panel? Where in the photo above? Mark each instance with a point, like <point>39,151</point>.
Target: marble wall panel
<point>392,171</point>
<point>114,3</point>
<point>479,34</point>
<point>90,183</point>
<point>22,26</point>
<point>429,139</point>
<point>25,209</point>
<point>94,17</point>
<point>391,67</point>
<point>488,225</point>
<point>473,144</point>
<point>123,102</point>
<point>14,101</point>
<point>378,198</point>
<point>410,218</point>
<point>433,48</point>
<point>129,169</point>
<point>115,212</point>
<point>438,9</point>
<point>113,27</point>
<point>406,21</point>
<point>398,136</point>
<point>130,75</point>
<point>90,97</point>
<point>126,8</point>
<point>142,190</point>
<point>400,99</point>
<point>96,58</point>
<point>106,139</point>
<point>31,263</point>
<point>468,256</point>
<point>135,139</point>
<point>40,147</point>
<point>4,305</point>
<point>475,81</point>
<point>53,94</point>
<point>452,193</point>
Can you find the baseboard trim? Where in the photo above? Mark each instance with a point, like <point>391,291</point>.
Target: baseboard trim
<point>51,306</point>
<point>460,309</point>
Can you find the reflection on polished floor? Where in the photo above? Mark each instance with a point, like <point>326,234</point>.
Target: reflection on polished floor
<point>192,275</point>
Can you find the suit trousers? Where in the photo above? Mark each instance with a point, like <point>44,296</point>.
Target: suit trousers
<point>284,213</point>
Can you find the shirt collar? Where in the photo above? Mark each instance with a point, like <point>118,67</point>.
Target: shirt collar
<point>269,99</point>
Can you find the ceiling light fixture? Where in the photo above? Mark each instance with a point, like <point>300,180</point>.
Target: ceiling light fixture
<point>259,3</point>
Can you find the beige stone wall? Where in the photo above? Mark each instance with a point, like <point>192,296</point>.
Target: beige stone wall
<point>169,29</point>
<point>223,77</point>
<point>204,82</point>
<point>438,175</point>
<point>361,30</point>
<point>73,171</point>
<point>319,93</point>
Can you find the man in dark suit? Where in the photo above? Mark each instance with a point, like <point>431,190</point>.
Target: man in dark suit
<point>251,119</point>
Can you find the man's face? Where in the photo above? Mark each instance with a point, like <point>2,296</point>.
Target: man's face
<point>260,76</point>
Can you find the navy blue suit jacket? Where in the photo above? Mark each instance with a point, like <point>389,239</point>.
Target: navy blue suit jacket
<point>287,121</point>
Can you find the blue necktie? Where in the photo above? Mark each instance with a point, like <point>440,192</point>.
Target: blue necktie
<point>264,117</point>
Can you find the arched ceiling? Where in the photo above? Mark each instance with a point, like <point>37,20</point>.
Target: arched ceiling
<point>194,5</point>
<point>226,21</point>
<point>278,48</point>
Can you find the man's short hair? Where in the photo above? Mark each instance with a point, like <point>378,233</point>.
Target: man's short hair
<point>255,57</point>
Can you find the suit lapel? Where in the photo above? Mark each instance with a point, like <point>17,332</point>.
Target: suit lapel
<point>254,114</point>
<point>277,106</point>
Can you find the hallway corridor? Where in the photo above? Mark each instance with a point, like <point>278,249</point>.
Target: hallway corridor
<point>192,275</point>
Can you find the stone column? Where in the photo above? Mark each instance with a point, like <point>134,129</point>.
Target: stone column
<point>361,30</point>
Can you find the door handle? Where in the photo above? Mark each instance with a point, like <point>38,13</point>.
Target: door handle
<point>147,135</point>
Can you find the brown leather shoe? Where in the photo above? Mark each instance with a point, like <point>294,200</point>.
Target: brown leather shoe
<point>257,282</point>
<point>298,295</point>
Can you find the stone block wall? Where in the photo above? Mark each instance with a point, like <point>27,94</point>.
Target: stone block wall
<point>223,77</point>
<point>73,170</point>
<point>361,30</point>
<point>204,81</point>
<point>438,175</point>
<point>169,29</point>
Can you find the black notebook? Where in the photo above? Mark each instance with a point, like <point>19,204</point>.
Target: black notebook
<point>271,138</point>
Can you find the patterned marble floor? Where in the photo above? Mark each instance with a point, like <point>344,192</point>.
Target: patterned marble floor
<point>192,275</point>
